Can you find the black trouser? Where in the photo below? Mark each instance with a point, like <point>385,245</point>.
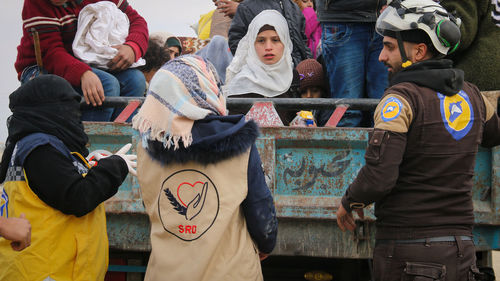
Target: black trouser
<point>424,261</point>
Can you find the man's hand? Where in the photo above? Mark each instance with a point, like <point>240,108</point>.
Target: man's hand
<point>228,7</point>
<point>345,220</point>
<point>92,88</point>
<point>123,59</point>
<point>17,230</point>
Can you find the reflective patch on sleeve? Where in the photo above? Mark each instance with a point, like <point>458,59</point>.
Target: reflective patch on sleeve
<point>394,114</point>
<point>4,203</point>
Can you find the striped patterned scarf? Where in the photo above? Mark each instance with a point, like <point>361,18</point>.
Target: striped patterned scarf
<point>182,91</point>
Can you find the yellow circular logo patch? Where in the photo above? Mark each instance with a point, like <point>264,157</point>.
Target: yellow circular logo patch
<point>457,114</point>
<point>391,109</point>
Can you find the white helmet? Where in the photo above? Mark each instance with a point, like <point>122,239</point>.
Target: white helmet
<point>427,15</point>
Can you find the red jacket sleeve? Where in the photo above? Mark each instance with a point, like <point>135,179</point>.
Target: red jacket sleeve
<point>138,31</point>
<point>58,61</point>
<point>50,22</point>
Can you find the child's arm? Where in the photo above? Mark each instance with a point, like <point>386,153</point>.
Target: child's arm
<point>136,43</point>
<point>51,22</point>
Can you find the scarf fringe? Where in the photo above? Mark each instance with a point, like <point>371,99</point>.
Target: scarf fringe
<point>155,133</point>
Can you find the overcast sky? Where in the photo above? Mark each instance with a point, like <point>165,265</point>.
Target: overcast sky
<point>161,15</point>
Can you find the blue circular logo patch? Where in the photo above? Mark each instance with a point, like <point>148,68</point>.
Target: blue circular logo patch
<point>457,114</point>
<point>391,109</point>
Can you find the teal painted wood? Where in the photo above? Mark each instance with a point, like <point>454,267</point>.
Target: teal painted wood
<point>308,170</point>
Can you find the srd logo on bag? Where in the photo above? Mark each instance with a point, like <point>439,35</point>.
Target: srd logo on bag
<point>188,204</point>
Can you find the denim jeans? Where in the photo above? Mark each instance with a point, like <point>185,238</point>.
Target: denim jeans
<point>128,83</point>
<point>31,72</point>
<point>351,52</point>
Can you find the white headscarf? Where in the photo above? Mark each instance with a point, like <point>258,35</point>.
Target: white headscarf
<point>248,74</point>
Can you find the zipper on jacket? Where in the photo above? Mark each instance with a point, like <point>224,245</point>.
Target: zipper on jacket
<point>281,4</point>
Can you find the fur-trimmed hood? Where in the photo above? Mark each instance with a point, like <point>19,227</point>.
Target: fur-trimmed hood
<point>215,138</point>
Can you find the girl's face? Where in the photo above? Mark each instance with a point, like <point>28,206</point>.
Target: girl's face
<point>269,47</point>
<point>312,92</point>
<point>305,4</point>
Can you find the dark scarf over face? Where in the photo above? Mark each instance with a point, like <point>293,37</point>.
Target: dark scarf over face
<point>47,104</point>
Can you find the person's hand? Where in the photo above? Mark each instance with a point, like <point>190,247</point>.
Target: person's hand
<point>130,159</point>
<point>93,93</point>
<point>263,256</point>
<point>123,59</point>
<point>228,7</point>
<point>92,157</point>
<point>17,230</point>
<point>345,220</point>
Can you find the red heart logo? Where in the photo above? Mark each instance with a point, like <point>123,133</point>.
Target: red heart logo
<point>186,184</point>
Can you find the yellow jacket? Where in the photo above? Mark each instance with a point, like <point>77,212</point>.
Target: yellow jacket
<point>63,247</point>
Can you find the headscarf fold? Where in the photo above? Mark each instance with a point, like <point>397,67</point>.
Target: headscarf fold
<point>46,104</point>
<point>248,74</point>
<point>184,90</point>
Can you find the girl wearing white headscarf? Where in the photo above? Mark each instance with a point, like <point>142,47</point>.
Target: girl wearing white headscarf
<point>248,74</point>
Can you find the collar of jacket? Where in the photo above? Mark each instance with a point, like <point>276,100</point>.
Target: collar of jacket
<point>215,138</point>
<point>438,75</point>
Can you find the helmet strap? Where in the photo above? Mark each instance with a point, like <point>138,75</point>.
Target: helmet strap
<point>405,61</point>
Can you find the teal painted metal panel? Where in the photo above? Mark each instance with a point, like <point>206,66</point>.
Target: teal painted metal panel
<point>308,170</point>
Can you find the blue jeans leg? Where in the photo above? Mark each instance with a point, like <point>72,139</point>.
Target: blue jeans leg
<point>377,76</point>
<point>31,72</point>
<point>111,88</point>
<point>132,84</point>
<point>348,54</point>
<point>129,83</point>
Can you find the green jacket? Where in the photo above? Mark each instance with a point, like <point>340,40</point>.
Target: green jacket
<point>479,53</point>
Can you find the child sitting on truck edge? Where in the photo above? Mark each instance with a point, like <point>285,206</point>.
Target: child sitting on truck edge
<point>55,22</point>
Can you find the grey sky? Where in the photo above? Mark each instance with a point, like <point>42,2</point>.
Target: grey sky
<point>161,15</point>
